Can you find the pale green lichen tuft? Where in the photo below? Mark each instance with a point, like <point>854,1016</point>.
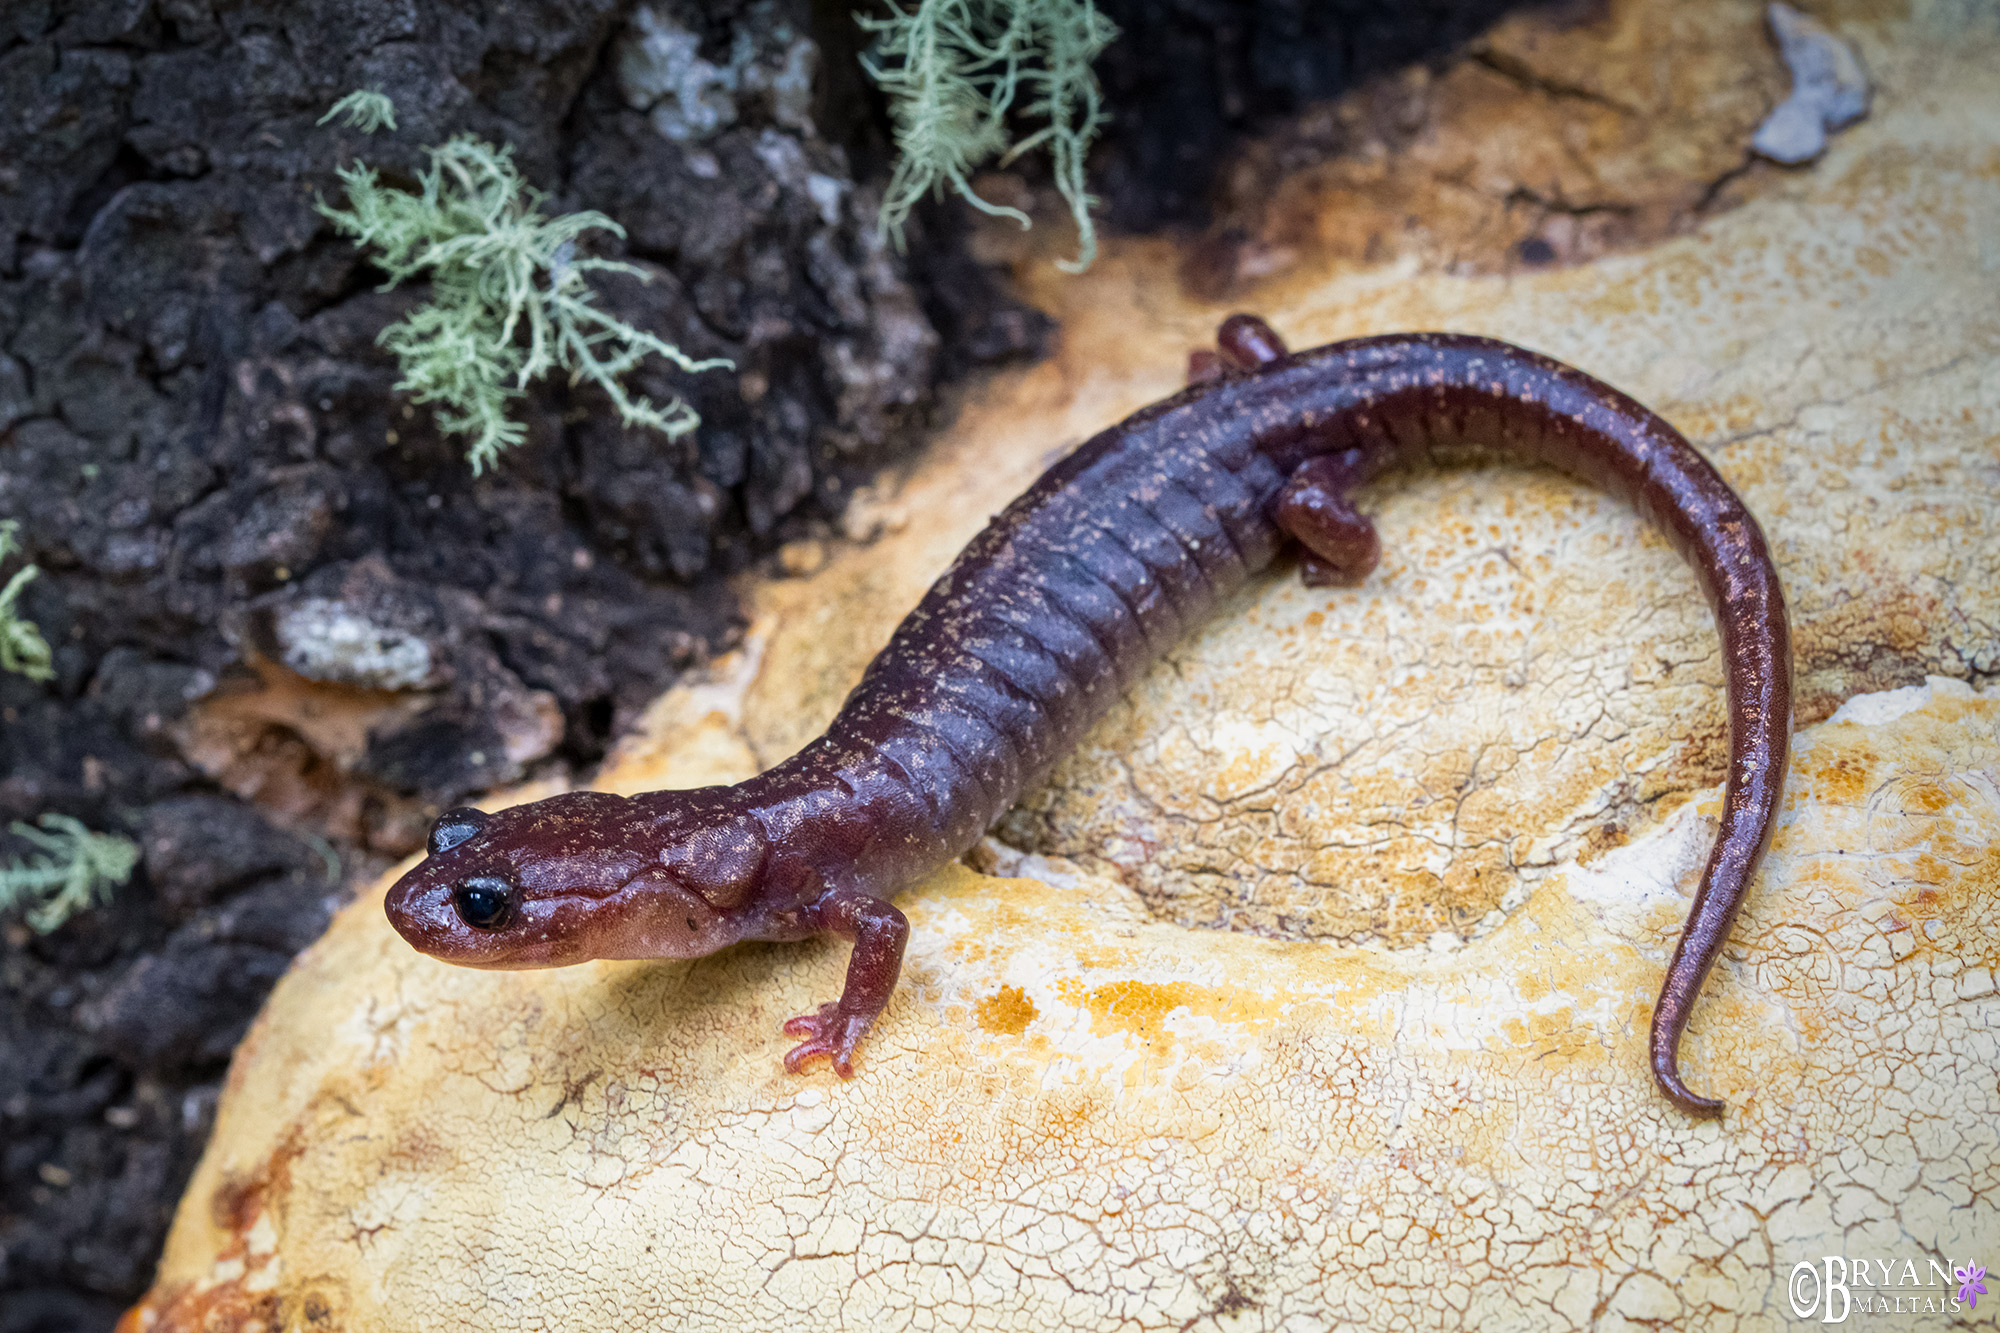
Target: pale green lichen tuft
<point>508,298</point>
<point>75,870</point>
<point>364,110</point>
<point>23,650</point>
<point>954,69</point>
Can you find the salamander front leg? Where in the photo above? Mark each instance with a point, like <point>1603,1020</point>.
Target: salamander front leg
<point>879,933</point>
<point>1341,543</point>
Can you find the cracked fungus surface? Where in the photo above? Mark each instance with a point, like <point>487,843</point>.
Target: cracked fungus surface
<point>1075,1118</point>
<point>1492,763</point>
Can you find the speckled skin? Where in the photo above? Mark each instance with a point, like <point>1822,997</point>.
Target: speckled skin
<point>1055,609</point>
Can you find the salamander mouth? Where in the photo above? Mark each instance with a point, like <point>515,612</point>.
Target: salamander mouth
<point>431,918</point>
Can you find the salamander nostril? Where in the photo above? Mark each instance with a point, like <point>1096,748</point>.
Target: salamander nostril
<point>484,902</point>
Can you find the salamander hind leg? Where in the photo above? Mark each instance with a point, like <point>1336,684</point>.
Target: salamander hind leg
<point>1247,342</point>
<point>1244,342</point>
<point>879,933</point>
<point>1341,544</point>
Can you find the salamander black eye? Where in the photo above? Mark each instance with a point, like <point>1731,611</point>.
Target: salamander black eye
<point>454,827</point>
<point>484,902</point>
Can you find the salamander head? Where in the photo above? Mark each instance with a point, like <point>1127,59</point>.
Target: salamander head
<point>579,876</point>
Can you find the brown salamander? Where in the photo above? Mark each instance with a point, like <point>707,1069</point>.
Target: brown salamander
<point>1055,608</point>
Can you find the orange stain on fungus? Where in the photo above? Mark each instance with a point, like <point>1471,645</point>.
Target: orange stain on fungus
<point>1006,1012</point>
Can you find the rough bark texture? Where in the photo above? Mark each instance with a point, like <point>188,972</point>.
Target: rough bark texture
<point>267,579</point>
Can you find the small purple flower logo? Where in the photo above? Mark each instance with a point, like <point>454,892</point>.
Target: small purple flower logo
<point>1972,1284</point>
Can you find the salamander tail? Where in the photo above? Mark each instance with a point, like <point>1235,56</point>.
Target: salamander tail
<point>1668,1019</point>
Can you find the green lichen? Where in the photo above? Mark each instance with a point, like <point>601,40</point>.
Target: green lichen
<point>364,110</point>
<point>509,302</point>
<point>23,650</point>
<point>75,870</point>
<point>954,69</point>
